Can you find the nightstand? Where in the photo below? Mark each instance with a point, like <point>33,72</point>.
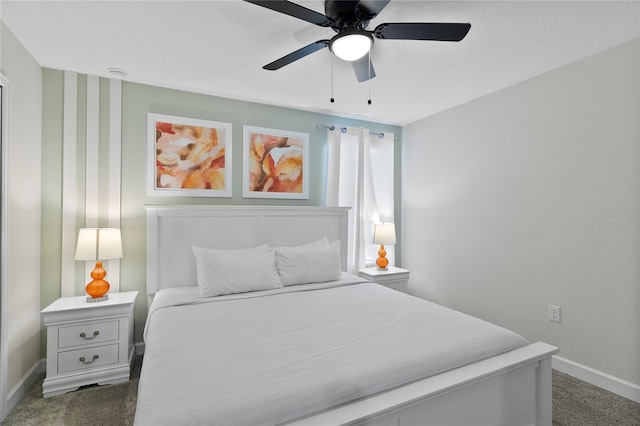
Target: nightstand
<point>88,343</point>
<point>394,278</point>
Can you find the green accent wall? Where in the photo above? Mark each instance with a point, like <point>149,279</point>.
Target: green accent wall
<point>137,101</point>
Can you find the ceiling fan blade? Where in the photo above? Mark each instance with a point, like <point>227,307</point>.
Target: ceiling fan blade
<point>370,8</point>
<point>422,31</point>
<point>295,10</point>
<point>361,68</point>
<point>298,54</point>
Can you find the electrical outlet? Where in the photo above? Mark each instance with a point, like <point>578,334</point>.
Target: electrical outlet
<point>554,313</point>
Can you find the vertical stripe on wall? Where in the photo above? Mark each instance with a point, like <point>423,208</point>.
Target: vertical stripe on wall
<point>93,139</point>
<point>92,160</point>
<point>71,217</point>
<point>115,166</point>
<point>69,178</point>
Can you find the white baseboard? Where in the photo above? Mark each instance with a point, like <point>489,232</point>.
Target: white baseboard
<point>21,388</point>
<point>598,378</point>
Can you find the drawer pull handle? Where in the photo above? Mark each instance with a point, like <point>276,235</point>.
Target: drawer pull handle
<point>84,361</point>
<point>84,336</point>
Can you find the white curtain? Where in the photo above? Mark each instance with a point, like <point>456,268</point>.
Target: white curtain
<point>360,176</point>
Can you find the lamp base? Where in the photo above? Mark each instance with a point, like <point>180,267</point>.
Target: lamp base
<point>97,299</point>
<point>98,288</point>
<point>382,261</point>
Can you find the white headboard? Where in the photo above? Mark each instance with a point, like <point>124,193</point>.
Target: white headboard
<point>173,230</point>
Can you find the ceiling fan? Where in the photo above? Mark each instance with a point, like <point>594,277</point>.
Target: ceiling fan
<point>349,19</point>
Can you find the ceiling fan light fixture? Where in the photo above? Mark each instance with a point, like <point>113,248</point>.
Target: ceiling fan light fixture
<point>351,45</point>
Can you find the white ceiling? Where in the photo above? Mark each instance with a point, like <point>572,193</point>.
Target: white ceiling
<point>219,48</point>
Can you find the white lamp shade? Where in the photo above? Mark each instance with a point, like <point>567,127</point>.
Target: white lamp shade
<point>99,244</point>
<point>350,47</point>
<point>384,233</point>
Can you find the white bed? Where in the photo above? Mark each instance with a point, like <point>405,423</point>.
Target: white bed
<point>342,352</point>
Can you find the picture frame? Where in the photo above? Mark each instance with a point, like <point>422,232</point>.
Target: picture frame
<point>275,164</point>
<point>189,157</point>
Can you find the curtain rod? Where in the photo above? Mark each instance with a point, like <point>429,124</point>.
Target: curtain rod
<point>320,126</point>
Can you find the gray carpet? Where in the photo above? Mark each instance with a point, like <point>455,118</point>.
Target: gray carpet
<point>578,403</point>
<point>575,403</point>
<point>113,405</point>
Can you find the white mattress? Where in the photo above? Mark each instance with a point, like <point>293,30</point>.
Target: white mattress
<point>275,356</point>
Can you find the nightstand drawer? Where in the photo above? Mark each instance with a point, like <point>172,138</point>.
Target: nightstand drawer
<point>87,333</point>
<point>82,359</point>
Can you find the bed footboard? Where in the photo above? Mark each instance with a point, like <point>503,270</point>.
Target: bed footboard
<point>508,389</point>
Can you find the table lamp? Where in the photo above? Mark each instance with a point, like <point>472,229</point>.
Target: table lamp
<point>98,244</point>
<point>383,233</point>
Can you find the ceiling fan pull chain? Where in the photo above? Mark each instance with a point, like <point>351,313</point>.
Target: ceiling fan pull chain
<point>332,100</point>
<point>369,53</point>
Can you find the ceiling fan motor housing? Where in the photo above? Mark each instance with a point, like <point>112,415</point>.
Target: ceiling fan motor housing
<point>347,13</point>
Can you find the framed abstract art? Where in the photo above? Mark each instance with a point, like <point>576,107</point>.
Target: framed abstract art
<point>189,157</point>
<point>276,164</point>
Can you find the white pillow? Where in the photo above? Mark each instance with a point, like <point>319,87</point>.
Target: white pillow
<point>308,264</point>
<point>235,271</point>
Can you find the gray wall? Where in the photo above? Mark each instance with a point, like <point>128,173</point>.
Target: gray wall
<point>23,207</point>
<point>137,101</point>
<point>529,197</point>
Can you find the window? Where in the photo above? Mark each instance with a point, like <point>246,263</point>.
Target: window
<point>360,175</point>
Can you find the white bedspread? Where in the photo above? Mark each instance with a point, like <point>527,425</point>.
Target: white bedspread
<point>275,356</point>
